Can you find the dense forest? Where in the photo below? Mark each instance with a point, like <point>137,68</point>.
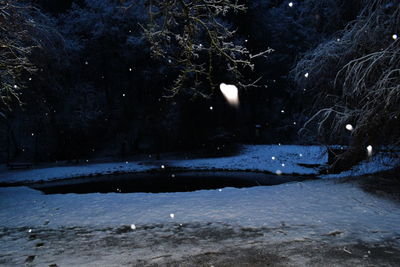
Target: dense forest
<point>98,78</point>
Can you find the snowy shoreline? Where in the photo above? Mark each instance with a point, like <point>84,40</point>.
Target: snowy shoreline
<point>277,159</point>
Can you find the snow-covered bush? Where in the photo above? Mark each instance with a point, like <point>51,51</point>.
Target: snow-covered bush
<point>355,80</point>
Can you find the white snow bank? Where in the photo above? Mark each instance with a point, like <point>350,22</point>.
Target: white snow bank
<point>69,171</point>
<point>284,158</point>
<point>312,208</point>
<point>377,163</point>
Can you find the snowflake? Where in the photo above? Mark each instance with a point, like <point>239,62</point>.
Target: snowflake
<point>369,150</point>
<point>231,93</point>
<point>349,127</point>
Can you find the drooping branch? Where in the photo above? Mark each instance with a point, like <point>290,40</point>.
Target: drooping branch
<point>21,33</point>
<point>192,37</point>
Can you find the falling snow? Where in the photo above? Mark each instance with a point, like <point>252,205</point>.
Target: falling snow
<point>369,150</point>
<point>349,127</point>
<point>230,93</point>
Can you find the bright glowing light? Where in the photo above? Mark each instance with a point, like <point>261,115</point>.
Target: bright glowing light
<point>133,227</point>
<point>173,175</point>
<point>172,215</point>
<point>291,4</point>
<point>231,93</point>
<point>278,172</point>
<point>162,167</point>
<point>394,36</point>
<point>282,111</point>
<point>306,75</point>
<point>273,158</point>
<point>283,164</point>
<point>123,95</point>
<point>349,127</point>
<point>300,155</point>
<point>211,108</point>
<point>369,150</point>
<point>130,69</point>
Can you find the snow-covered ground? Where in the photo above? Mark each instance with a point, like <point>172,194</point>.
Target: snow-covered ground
<point>323,222</point>
<point>272,158</point>
<point>76,229</point>
<point>51,173</point>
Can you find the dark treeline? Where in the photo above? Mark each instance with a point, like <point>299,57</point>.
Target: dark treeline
<point>98,90</point>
